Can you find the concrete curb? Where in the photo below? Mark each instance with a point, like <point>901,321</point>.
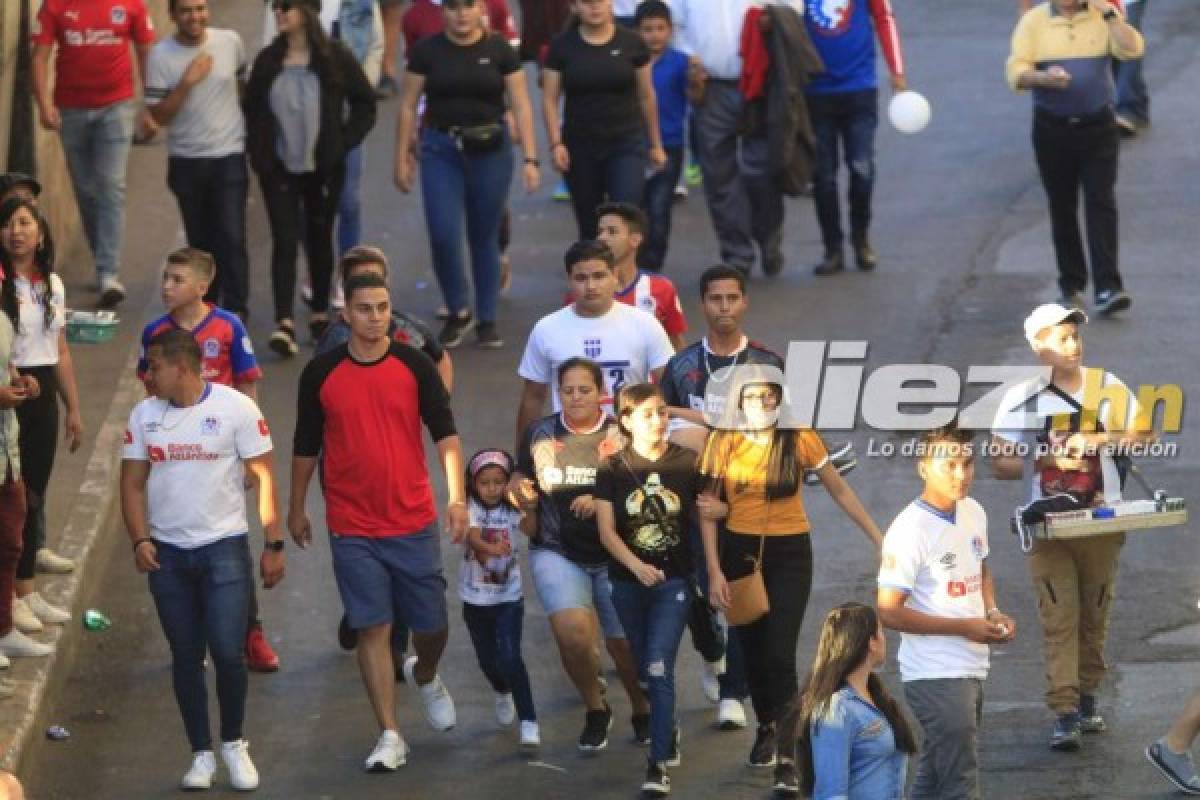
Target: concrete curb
<point>95,504</point>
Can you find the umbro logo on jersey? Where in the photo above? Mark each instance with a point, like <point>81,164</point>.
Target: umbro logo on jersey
<point>616,52</point>
<point>948,560</point>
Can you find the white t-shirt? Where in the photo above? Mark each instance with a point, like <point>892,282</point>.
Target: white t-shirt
<point>209,124</point>
<point>499,580</point>
<point>938,560</point>
<point>626,342</point>
<point>1046,404</point>
<point>35,344</point>
<point>196,494</point>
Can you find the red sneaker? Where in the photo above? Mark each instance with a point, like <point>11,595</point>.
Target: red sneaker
<point>259,655</point>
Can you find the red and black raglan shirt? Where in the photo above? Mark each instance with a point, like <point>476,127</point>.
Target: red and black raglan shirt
<point>365,420</point>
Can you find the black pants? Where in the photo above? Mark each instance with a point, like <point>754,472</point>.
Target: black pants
<point>612,170</point>
<point>38,442</point>
<point>211,193</point>
<point>301,209</point>
<point>844,124</point>
<point>1071,157</point>
<point>769,645</point>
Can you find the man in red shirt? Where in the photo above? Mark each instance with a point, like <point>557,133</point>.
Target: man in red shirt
<point>93,108</point>
<point>361,407</point>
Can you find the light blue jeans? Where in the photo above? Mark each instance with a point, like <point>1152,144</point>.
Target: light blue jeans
<point>96,142</point>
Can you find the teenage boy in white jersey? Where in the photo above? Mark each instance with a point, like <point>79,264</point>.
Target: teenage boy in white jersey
<point>186,453</point>
<point>1075,579</point>
<point>629,345</point>
<point>936,589</point>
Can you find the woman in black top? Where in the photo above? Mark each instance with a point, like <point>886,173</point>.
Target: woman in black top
<point>610,112</point>
<point>307,105</point>
<point>466,156</point>
<point>645,502</point>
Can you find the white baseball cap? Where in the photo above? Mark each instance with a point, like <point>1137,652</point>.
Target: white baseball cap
<point>1048,314</point>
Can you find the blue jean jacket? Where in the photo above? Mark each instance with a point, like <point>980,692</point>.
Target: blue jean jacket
<point>854,752</point>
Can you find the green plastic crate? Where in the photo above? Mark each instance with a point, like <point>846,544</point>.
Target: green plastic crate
<point>91,327</point>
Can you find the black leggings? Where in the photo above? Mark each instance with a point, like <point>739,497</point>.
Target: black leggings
<point>769,645</point>
<point>301,210</point>
<point>38,441</point>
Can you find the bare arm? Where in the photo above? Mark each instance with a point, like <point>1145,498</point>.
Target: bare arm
<point>551,91</point>
<point>450,451</point>
<point>40,75</point>
<point>445,369</point>
<point>649,104</point>
<point>533,400</point>
<point>271,563</point>
<point>133,510</point>
<point>848,501</point>
<point>894,614</point>
<point>518,96</point>
<point>406,126</point>
<point>303,468</point>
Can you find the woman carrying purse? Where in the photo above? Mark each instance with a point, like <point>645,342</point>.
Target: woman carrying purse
<point>759,468</point>
<point>466,157</point>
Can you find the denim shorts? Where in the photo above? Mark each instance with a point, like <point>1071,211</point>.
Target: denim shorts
<point>402,573</point>
<point>562,584</point>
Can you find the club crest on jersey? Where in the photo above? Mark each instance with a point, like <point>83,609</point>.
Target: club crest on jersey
<point>211,426</point>
<point>591,348</point>
<point>831,17</point>
<point>117,15</point>
<point>646,303</point>
<point>212,348</point>
<point>977,547</point>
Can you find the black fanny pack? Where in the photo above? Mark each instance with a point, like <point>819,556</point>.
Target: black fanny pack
<point>478,138</point>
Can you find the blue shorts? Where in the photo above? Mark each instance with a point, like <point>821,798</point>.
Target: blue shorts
<point>377,577</point>
<point>562,584</point>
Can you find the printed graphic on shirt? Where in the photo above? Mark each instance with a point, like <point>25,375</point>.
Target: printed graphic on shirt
<point>654,516</point>
<point>831,16</point>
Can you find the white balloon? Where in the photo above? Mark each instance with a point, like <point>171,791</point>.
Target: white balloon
<point>909,112</point>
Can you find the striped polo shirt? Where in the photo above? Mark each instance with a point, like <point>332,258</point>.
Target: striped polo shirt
<point>1081,44</point>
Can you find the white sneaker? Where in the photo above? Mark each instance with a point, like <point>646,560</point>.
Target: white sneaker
<point>243,775</point>
<point>200,776</point>
<point>531,738</point>
<point>439,705</point>
<point>51,562</point>
<point>48,614</point>
<point>4,662</point>
<point>15,644</point>
<point>390,753</point>
<point>506,712</point>
<point>710,679</point>
<point>112,292</point>
<point>731,716</point>
<point>7,689</point>
<point>23,618</point>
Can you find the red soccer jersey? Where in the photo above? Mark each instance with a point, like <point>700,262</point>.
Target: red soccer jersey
<point>93,65</point>
<point>227,357</point>
<point>654,294</point>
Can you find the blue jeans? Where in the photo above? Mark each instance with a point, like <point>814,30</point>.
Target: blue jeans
<point>745,204</point>
<point>96,142</point>
<point>349,222</point>
<point>455,184</point>
<point>1133,100</point>
<point>203,596</point>
<point>211,193</point>
<point>612,170</point>
<point>654,618</point>
<point>496,633</point>
<point>658,199</point>
<point>846,120</point>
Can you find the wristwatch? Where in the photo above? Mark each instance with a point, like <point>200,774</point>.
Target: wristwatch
<point>273,546</point>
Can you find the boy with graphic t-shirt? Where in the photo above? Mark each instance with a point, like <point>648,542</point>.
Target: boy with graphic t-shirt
<point>629,345</point>
<point>1074,578</point>
<point>936,589</point>
<point>227,358</point>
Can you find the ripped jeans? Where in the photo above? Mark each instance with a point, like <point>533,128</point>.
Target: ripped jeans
<point>654,618</point>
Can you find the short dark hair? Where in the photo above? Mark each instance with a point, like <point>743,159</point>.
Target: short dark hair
<point>358,256</point>
<point>942,441</point>
<point>200,262</point>
<point>367,280</point>
<point>653,9</point>
<point>633,217</point>
<point>588,250</point>
<point>177,346</point>
<point>579,362</point>
<point>721,272</point>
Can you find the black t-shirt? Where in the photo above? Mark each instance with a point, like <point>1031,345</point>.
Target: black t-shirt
<point>464,84</point>
<point>600,83</point>
<point>654,503</point>
<point>563,465</point>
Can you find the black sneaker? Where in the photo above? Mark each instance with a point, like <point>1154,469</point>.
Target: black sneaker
<point>1071,300</point>
<point>658,782</point>
<point>1111,301</point>
<point>1067,734</point>
<point>1089,720</point>
<point>762,754</point>
<point>487,337</point>
<point>595,730</point>
<point>865,256</point>
<point>641,728</point>
<point>831,263</point>
<point>786,783</point>
<point>454,330</point>
<point>283,341</point>
<point>675,757</point>
<point>347,636</point>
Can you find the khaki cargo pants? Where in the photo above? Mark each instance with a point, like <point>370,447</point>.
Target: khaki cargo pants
<point>1075,581</point>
